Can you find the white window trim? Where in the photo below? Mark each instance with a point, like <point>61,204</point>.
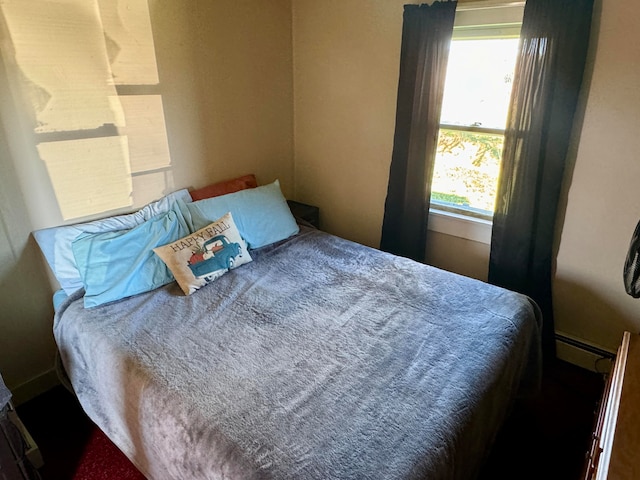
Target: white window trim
<point>463,226</point>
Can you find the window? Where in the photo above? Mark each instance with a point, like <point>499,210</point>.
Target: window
<point>474,111</point>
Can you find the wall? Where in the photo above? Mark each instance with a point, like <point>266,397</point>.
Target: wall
<point>225,72</point>
<point>225,79</point>
<point>345,71</point>
<point>26,343</point>
<point>346,58</point>
<point>602,203</point>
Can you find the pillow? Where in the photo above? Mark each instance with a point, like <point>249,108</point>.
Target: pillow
<point>203,256</point>
<point>116,265</point>
<point>223,188</point>
<point>55,243</point>
<point>59,296</point>
<point>261,214</point>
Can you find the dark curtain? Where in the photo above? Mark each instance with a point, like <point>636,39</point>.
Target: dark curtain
<point>553,48</point>
<point>426,38</point>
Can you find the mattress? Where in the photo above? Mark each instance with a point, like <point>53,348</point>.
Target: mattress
<point>321,359</point>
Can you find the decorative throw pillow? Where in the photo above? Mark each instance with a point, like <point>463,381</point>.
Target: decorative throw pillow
<point>205,255</point>
<point>225,187</point>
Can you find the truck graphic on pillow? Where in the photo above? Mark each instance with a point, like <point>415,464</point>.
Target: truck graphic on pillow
<point>216,254</point>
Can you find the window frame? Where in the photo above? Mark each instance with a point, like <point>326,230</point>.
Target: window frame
<point>483,20</point>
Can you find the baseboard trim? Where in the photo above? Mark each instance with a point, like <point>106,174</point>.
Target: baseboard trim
<point>583,353</point>
<point>34,387</point>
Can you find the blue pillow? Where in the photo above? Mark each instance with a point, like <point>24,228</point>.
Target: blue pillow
<point>261,214</point>
<point>55,242</point>
<point>116,265</point>
<point>59,296</point>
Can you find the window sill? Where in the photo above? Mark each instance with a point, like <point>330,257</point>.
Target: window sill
<point>454,224</point>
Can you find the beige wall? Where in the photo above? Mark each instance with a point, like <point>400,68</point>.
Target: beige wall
<point>603,204</point>
<point>345,71</point>
<point>225,74</point>
<point>346,57</point>
<point>457,254</point>
<point>26,342</point>
<point>225,78</point>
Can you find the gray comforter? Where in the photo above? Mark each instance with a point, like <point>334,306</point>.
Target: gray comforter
<point>321,359</point>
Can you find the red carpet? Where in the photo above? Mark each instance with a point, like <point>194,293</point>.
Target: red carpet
<point>72,447</point>
<point>101,460</point>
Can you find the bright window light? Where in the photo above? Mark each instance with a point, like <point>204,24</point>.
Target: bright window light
<point>474,114</point>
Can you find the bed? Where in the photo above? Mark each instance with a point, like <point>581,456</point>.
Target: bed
<point>318,359</point>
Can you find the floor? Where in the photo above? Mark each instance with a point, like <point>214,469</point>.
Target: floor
<point>548,437</point>
<point>72,447</point>
<point>543,439</point>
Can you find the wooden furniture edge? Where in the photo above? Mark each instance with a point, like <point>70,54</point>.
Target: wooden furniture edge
<point>616,438</point>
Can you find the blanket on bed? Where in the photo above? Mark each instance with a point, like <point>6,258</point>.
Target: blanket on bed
<point>321,359</point>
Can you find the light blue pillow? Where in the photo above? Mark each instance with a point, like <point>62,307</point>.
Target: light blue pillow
<point>55,242</point>
<point>116,265</point>
<point>59,296</point>
<point>261,214</point>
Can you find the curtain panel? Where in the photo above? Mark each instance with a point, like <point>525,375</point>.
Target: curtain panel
<point>426,39</point>
<point>547,82</point>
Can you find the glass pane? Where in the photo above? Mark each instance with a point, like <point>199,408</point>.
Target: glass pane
<point>478,84</point>
<point>466,170</point>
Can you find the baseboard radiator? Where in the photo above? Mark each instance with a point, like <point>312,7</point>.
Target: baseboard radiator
<point>583,354</point>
